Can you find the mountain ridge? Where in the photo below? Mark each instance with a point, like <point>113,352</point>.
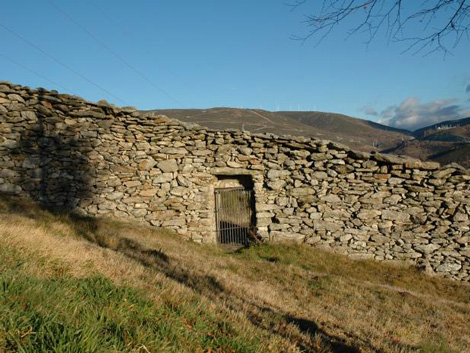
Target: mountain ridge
<point>445,142</point>
<point>337,128</point>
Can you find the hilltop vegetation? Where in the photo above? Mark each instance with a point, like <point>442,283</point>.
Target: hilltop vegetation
<point>71,284</point>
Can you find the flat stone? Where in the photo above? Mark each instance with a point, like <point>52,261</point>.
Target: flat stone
<point>163,178</point>
<point>359,155</point>
<point>328,226</point>
<point>264,215</point>
<point>277,174</point>
<point>147,164</point>
<point>29,115</point>
<point>395,181</point>
<point>30,163</point>
<point>7,173</point>
<point>8,188</point>
<point>301,192</point>
<point>16,97</point>
<point>140,212</point>
<point>115,196</point>
<point>174,222</point>
<point>463,240</point>
<point>379,239</point>
<point>172,150</point>
<point>179,191</point>
<point>318,156</point>
<point>389,158</point>
<point>148,192</point>
<point>168,166</point>
<point>246,151</point>
<point>368,214</point>
<point>260,207</point>
<point>320,175</point>
<point>426,249</point>
<point>361,256</point>
<point>232,164</point>
<point>443,173</point>
<point>345,238</point>
<point>395,216</point>
<point>277,184</point>
<point>448,267</point>
<point>417,164</point>
<point>460,217</point>
<point>106,205</point>
<point>11,144</point>
<point>132,183</point>
<point>338,146</point>
<point>70,121</point>
<point>331,198</point>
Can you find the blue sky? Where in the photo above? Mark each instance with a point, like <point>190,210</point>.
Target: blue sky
<point>237,53</point>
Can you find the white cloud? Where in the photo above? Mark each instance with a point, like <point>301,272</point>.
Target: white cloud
<point>411,114</point>
<point>369,110</point>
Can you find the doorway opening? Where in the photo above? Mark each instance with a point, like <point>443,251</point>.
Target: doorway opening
<point>235,210</point>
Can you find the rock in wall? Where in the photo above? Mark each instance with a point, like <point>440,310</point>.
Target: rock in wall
<point>101,160</point>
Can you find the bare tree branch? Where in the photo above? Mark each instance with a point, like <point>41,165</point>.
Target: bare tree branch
<point>443,23</point>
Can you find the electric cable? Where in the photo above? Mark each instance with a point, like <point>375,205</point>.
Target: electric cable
<point>136,41</point>
<point>61,63</point>
<point>35,73</point>
<point>112,52</point>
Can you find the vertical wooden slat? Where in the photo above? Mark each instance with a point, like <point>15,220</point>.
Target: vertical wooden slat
<point>233,215</point>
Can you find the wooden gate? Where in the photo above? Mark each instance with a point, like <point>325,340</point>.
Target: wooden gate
<point>234,216</point>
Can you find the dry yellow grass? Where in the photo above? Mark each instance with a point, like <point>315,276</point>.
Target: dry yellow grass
<point>302,299</point>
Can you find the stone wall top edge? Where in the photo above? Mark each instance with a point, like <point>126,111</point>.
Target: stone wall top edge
<point>302,141</point>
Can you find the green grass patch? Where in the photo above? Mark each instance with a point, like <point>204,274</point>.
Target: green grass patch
<point>437,346</point>
<point>66,315</point>
<point>339,266</point>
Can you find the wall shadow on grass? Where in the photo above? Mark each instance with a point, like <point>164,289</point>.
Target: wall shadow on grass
<point>301,331</point>
<point>267,318</point>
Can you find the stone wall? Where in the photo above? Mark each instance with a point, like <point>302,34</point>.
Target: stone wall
<point>101,160</point>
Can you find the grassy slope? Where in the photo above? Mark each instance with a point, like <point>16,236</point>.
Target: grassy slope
<point>83,285</point>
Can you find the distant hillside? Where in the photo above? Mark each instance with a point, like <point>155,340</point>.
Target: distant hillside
<point>357,133</point>
<point>445,142</point>
<point>444,152</point>
<point>452,131</point>
<point>351,131</point>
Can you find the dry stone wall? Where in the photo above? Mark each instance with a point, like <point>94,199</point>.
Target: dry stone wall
<point>101,160</point>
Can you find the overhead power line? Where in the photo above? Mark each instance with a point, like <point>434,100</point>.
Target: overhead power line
<point>60,62</point>
<point>112,52</point>
<point>35,73</point>
<point>136,41</point>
